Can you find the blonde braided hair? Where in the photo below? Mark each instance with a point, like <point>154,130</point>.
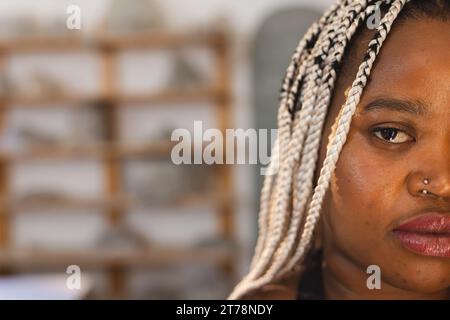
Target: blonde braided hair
<point>289,207</point>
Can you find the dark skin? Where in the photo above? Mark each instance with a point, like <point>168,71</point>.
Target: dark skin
<point>377,182</point>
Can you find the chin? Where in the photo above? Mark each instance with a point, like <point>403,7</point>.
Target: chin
<point>422,275</point>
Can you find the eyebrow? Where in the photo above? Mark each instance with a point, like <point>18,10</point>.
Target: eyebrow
<point>414,107</point>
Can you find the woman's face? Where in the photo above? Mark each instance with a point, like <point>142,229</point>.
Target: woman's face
<point>400,135</point>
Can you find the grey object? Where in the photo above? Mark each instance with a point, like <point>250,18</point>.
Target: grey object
<point>163,184</point>
<point>88,124</point>
<point>153,184</point>
<point>133,16</point>
<point>274,45</point>
<point>184,74</point>
<point>34,83</point>
<point>31,137</point>
<point>17,25</point>
<point>122,237</point>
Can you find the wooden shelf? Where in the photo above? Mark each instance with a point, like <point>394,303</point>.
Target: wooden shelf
<point>150,40</point>
<point>123,203</point>
<point>59,204</point>
<point>114,202</point>
<point>97,151</point>
<point>172,96</point>
<point>159,39</point>
<point>185,96</point>
<point>36,101</point>
<point>41,43</point>
<point>100,258</point>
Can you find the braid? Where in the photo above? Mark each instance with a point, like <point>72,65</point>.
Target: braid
<point>289,207</point>
<point>292,72</point>
<point>306,168</point>
<point>343,125</point>
<point>279,196</point>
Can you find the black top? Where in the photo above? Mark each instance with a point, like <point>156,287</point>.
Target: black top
<point>310,286</point>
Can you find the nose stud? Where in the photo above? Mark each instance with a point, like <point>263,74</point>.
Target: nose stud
<point>425,181</point>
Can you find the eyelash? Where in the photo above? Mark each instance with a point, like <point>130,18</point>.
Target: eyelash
<point>382,130</point>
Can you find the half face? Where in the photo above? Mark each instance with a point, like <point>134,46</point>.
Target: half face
<point>399,136</point>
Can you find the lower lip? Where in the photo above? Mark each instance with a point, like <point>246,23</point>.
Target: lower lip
<point>437,245</point>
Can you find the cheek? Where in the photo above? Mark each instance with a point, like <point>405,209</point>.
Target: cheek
<point>363,194</point>
<point>367,195</point>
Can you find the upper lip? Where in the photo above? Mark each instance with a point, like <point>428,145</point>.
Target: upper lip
<point>437,221</point>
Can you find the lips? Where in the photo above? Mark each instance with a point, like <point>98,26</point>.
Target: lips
<point>428,234</point>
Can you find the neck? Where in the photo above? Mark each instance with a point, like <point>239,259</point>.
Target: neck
<point>343,279</point>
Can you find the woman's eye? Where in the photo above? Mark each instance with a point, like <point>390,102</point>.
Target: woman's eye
<point>392,135</point>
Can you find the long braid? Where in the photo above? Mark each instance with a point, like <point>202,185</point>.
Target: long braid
<point>302,124</point>
<point>296,142</point>
<point>303,187</point>
<point>287,84</point>
<point>308,84</point>
<point>343,124</point>
<point>291,73</point>
<point>305,172</point>
<point>311,83</point>
<point>278,221</point>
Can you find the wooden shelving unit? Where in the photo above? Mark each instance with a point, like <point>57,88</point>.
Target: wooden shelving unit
<point>121,202</point>
<point>110,153</point>
<point>156,149</point>
<point>103,259</point>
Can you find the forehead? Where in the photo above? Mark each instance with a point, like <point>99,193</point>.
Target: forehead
<point>414,63</point>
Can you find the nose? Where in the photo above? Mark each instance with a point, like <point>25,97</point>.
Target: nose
<point>439,188</point>
<point>433,178</point>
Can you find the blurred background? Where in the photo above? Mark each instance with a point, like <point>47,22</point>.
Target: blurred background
<point>87,186</point>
